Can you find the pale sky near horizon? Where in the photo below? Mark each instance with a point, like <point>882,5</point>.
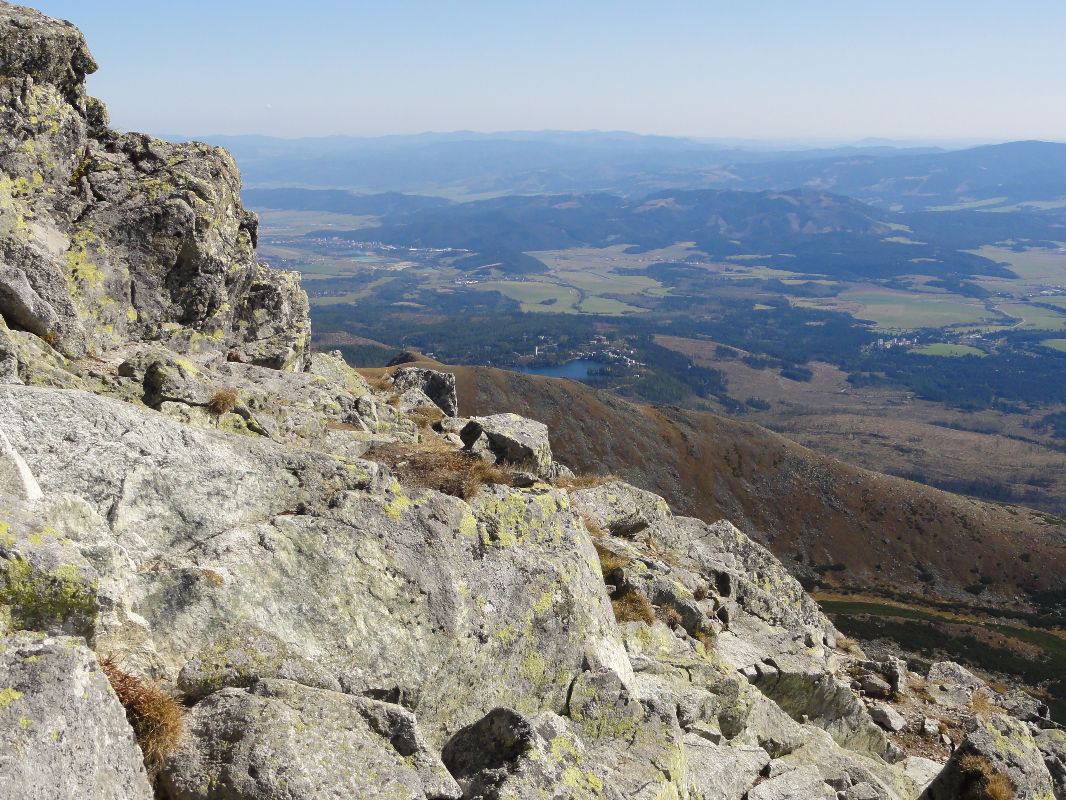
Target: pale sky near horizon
<point>770,69</point>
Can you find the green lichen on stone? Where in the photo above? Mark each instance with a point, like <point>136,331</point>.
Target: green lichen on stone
<point>9,696</point>
<point>80,267</point>
<point>39,599</point>
<point>399,503</point>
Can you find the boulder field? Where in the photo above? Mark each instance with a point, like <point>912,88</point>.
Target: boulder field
<point>323,587</point>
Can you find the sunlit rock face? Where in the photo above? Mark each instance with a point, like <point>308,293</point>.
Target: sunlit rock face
<point>107,237</point>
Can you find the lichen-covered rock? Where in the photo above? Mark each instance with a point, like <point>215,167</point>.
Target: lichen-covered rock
<point>516,440</point>
<point>998,748</point>
<point>62,730</point>
<point>438,386</point>
<point>244,655</point>
<point>279,740</point>
<point>107,238</point>
<point>507,756</point>
<point>952,685</point>
<point>1052,744</point>
<point>46,584</point>
<point>803,782</point>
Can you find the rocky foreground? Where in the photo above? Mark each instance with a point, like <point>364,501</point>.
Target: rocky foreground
<point>350,591</point>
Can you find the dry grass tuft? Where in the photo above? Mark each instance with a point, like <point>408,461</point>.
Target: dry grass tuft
<point>156,717</point>
<point>587,481</point>
<point>222,402</point>
<point>425,416</point>
<point>593,527</point>
<point>706,639</point>
<point>670,616</point>
<point>380,383</point>
<point>609,560</point>
<point>629,605</point>
<point>434,464</point>
<point>982,705</point>
<point>983,780</point>
<point>999,787</point>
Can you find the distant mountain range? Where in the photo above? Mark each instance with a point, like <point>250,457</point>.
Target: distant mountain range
<point>466,165</point>
<point>802,230</point>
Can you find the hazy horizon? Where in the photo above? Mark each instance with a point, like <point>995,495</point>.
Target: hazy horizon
<point>828,72</point>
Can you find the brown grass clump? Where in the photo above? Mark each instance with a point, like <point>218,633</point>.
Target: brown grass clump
<point>999,787</point>
<point>380,383</point>
<point>593,527</point>
<point>706,639</point>
<point>609,560</point>
<point>982,706</point>
<point>670,616</point>
<point>982,781</point>
<point>156,717</point>
<point>222,402</point>
<point>435,465</point>
<point>587,481</point>
<point>425,416</point>
<point>629,605</point>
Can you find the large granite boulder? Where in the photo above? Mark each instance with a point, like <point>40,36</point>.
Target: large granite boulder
<point>280,740</point>
<point>1000,752</point>
<point>509,438</point>
<point>107,237</point>
<point>438,386</point>
<point>62,730</point>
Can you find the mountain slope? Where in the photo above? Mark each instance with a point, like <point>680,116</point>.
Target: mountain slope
<point>891,535</point>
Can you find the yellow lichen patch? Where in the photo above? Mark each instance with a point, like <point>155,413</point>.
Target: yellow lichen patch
<point>543,603</point>
<point>80,267</point>
<point>533,668</point>
<point>9,696</point>
<point>399,503</point>
<point>562,748</point>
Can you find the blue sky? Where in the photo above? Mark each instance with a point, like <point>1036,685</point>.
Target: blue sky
<point>772,69</point>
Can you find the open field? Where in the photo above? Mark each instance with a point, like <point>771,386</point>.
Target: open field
<point>1033,317</point>
<point>296,223</point>
<point>532,294</point>
<point>893,310</point>
<point>949,350</point>
<point>1055,344</point>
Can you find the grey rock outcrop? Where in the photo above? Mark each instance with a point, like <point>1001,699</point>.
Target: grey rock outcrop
<point>62,730</point>
<point>107,237</point>
<point>283,741</point>
<point>510,438</point>
<point>999,749</point>
<point>438,386</point>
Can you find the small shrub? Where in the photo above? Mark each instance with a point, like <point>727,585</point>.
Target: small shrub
<point>586,481</point>
<point>630,605</point>
<point>222,402</point>
<point>157,718</point>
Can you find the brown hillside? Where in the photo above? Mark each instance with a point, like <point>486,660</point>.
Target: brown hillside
<point>892,536</point>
